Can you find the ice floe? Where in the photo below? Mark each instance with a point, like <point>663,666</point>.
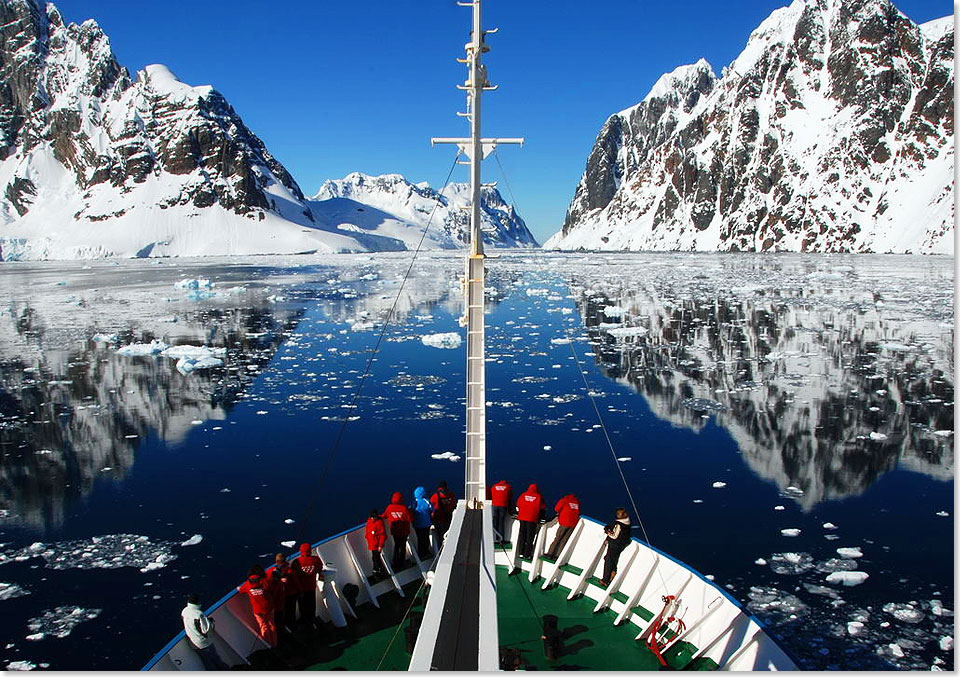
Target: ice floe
<point>836,564</point>
<point>791,563</point>
<point>790,532</point>
<point>850,553</point>
<point>718,485</point>
<point>444,340</point>
<point>21,666</point>
<point>288,544</point>
<point>11,590</point>
<point>906,613</point>
<point>193,540</point>
<point>100,552</point>
<point>829,526</point>
<point>59,622</point>
<point>446,456</point>
<point>848,578</point>
<point>775,606</point>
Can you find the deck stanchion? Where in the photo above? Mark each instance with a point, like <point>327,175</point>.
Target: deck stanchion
<point>361,574</point>
<point>615,584</point>
<point>557,572</point>
<point>638,593</point>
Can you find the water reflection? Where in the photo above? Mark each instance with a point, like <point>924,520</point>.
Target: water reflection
<point>826,378</point>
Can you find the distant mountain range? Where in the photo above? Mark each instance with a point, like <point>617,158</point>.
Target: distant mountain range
<point>96,163</point>
<point>831,132</point>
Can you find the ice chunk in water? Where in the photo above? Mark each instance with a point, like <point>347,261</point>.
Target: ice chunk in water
<point>61,621</point>
<point>791,563</point>
<point>21,665</point>
<point>836,564</point>
<point>906,613</point>
<point>829,525</point>
<point>851,553</point>
<point>719,485</point>
<point>790,532</point>
<point>288,521</point>
<point>445,340</point>
<point>446,456</point>
<point>99,552</point>
<point>946,643</point>
<point>775,605</point>
<point>11,590</point>
<point>943,513</point>
<point>193,540</point>
<point>854,627</point>
<point>288,544</point>
<point>848,578</point>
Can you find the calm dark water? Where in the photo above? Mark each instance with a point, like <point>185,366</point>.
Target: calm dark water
<point>817,389</point>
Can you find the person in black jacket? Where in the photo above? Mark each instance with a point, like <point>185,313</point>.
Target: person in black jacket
<point>618,537</point>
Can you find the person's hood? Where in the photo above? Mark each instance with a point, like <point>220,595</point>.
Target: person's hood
<point>191,605</point>
<point>372,519</point>
<point>304,548</point>
<point>624,520</point>
<point>419,492</point>
<point>254,578</point>
<point>397,497</point>
<point>532,489</point>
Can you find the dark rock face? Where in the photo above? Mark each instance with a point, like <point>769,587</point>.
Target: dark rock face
<point>62,90</point>
<point>831,132</point>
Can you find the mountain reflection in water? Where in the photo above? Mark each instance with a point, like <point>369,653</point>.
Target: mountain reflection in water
<point>826,376</point>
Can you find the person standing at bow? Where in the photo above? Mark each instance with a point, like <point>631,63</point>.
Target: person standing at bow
<point>257,588</point>
<point>618,538</point>
<point>285,589</point>
<point>307,569</point>
<point>444,503</point>
<point>501,495</point>
<point>568,514</point>
<point>199,630</point>
<point>422,510</point>
<point>530,510</point>
<point>399,518</point>
<point>376,535</point>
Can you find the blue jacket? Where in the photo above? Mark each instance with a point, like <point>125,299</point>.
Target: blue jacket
<point>421,509</point>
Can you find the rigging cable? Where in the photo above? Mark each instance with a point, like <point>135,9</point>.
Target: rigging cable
<point>366,372</point>
<point>592,399</point>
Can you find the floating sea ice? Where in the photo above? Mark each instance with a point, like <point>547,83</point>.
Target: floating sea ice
<point>547,447</point>
<point>821,590</point>
<point>854,628</point>
<point>877,437</point>
<point>155,347</point>
<point>445,340</point>
<point>906,613</point>
<point>288,521</point>
<point>851,553</point>
<point>790,532</point>
<point>943,513</point>
<point>829,525</point>
<point>225,490</point>
<point>61,621</point>
<point>100,552</point>
<point>775,605</point>
<point>946,643</point>
<point>848,578</point>
<point>288,544</point>
<point>446,456</point>
<point>836,564</point>
<point>791,563</point>
<point>21,665</point>
<point>937,608</point>
<point>560,341</point>
<point>624,459</point>
<point>760,561</point>
<point>719,485</point>
<point>779,507</point>
<point>698,500</point>
<point>11,590</point>
<point>193,284</point>
<point>193,540</point>
<point>362,326</point>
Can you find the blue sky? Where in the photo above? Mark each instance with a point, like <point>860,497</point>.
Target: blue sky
<point>334,87</point>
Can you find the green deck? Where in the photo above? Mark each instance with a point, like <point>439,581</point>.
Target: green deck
<point>591,641</point>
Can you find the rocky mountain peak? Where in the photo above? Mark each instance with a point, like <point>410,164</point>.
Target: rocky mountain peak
<point>831,131</point>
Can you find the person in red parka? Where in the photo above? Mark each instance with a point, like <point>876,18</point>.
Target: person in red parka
<point>399,517</point>
<point>444,502</point>
<point>568,514</point>
<point>376,538</point>
<point>307,569</point>
<point>530,510</point>
<point>285,589</point>
<point>257,588</point>
<point>501,496</point>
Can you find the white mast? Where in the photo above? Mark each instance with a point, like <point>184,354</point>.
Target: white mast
<point>476,148</point>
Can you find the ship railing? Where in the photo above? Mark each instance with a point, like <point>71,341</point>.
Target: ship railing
<point>717,626</point>
<point>346,561</point>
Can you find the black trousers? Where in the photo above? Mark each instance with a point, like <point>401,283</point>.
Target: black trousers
<point>528,532</point>
<point>500,522</point>
<point>286,614</point>
<point>307,601</point>
<point>423,542</point>
<point>563,535</point>
<point>610,559</point>
<point>376,556</point>
<point>399,552</point>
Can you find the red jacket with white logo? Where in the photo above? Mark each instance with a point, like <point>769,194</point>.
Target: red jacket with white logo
<point>398,515</point>
<point>568,510</point>
<point>530,505</point>
<point>500,494</point>
<point>257,588</point>
<point>306,569</point>
<point>375,533</point>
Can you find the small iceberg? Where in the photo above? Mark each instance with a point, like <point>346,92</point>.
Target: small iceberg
<point>446,340</point>
<point>193,540</point>
<point>847,578</point>
<point>719,485</point>
<point>850,553</point>
<point>790,532</point>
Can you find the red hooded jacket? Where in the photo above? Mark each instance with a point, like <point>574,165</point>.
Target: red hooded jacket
<point>375,533</point>
<point>530,505</point>
<point>257,588</point>
<point>307,569</point>
<point>500,494</point>
<point>568,510</point>
<point>444,503</point>
<point>398,515</point>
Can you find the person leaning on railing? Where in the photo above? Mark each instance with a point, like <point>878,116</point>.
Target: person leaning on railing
<point>618,537</point>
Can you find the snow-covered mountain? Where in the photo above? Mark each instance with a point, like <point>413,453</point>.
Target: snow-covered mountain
<point>94,162</point>
<point>391,211</point>
<point>832,131</point>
